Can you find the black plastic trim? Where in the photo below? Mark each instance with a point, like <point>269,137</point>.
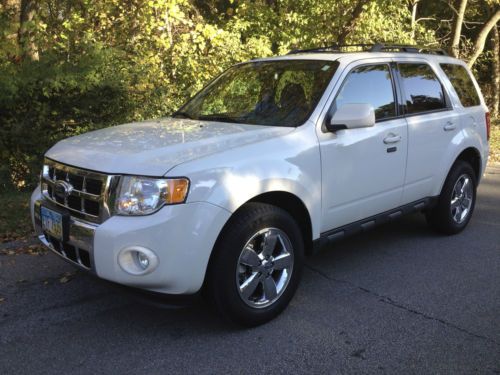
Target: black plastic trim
<point>332,128</point>
<point>333,235</point>
<point>377,47</point>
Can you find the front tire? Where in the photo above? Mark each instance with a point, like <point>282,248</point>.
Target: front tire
<point>456,201</point>
<point>256,266</point>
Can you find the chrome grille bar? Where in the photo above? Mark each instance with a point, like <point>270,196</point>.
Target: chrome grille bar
<point>78,193</point>
<point>92,193</point>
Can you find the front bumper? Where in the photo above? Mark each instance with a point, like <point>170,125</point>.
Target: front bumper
<point>182,236</point>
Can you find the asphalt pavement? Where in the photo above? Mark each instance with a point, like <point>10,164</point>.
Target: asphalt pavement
<point>399,299</point>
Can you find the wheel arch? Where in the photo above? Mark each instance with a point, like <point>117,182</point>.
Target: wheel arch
<point>295,207</point>
<point>472,156</point>
<point>468,154</point>
<point>289,202</point>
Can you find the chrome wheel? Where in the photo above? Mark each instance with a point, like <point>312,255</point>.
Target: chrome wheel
<point>264,267</point>
<point>461,199</point>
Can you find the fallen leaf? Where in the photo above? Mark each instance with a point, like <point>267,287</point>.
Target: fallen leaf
<point>66,277</point>
<point>2,299</point>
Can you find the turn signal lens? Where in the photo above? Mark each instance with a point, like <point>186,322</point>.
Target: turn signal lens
<point>178,190</point>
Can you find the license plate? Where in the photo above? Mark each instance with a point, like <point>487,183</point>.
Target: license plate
<point>52,222</point>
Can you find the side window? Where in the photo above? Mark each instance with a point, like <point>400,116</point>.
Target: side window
<point>423,91</point>
<point>370,84</point>
<point>462,83</point>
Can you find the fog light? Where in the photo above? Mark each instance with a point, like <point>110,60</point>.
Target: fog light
<point>137,260</point>
<point>142,259</point>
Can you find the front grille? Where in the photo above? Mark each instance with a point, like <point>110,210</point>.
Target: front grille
<point>86,194</point>
<point>73,253</point>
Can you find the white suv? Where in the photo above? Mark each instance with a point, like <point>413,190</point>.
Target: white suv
<point>273,159</point>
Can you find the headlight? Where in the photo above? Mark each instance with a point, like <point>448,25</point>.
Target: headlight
<point>144,195</point>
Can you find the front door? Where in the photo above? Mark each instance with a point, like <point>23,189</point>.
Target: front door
<point>363,170</point>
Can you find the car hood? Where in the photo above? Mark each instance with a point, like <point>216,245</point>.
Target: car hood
<point>151,148</point>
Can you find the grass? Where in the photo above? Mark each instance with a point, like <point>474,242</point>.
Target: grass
<point>15,220</point>
<point>495,141</point>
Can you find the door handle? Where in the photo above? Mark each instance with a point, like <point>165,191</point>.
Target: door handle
<point>449,126</point>
<point>392,138</point>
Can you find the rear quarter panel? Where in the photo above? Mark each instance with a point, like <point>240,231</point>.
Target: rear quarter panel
<point>472,123</point>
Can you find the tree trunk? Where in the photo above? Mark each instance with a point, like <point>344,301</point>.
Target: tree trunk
<point>25,36</point>
<point>414,7</point>
<point>457,31</point>
<point>496,72</point>
<point>349,26</point>
<point>481,38</point>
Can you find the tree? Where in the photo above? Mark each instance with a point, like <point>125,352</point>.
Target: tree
<point>25,34</point>
<point>483,34</point>
<point>349,26</point>
<point>94,63</point>
<point>414,8</point>
<point>457,30</point>
<point>496,71</point>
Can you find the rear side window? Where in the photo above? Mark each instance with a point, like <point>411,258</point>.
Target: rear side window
<point>462,83</point>
<point>422,90</point>
<point>371,84</point>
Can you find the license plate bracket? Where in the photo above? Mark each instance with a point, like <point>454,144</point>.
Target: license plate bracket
<point>55,223</point>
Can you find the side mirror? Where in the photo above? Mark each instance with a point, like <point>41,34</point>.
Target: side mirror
<point>352,116</point>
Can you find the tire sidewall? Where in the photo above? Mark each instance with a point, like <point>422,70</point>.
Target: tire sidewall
<point>227,252</point>
<point>460,168</point>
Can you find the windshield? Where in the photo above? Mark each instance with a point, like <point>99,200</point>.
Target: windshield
<point>278,93</point>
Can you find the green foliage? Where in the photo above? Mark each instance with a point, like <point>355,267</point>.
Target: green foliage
<point>495,142</point>
<point>105,62</point>
<point>46,101</point>
<point>15,221</point>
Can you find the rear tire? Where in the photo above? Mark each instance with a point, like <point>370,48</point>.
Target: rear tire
<point>256,265</point>
<point>456,201</point>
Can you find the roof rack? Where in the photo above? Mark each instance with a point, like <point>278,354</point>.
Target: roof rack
<point>377,47</point>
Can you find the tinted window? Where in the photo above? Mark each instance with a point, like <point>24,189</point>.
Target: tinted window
<point>369,84</point>
<point>462,83</point>
<point>423,91</point>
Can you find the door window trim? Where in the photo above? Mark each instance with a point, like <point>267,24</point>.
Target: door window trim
<point>447,100</point>
<point>395,92</point>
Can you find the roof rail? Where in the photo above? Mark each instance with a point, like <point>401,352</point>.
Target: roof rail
<point>377,47</point>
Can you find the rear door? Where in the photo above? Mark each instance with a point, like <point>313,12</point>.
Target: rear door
<point>432,124</point>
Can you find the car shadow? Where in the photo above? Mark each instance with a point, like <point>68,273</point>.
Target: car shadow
<point>180,316</point>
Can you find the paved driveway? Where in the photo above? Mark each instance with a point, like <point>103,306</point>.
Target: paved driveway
<point>398,299</point>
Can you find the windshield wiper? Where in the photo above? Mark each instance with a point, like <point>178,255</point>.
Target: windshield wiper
<point>182,114</point>
<point>221,118</point>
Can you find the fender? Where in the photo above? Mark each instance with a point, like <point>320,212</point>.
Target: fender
<point>289,163</point>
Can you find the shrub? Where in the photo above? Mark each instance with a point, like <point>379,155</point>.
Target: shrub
<point>43,102</point>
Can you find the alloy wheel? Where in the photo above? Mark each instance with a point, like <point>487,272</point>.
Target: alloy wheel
<point>461,199</point>
<point>264,267</point>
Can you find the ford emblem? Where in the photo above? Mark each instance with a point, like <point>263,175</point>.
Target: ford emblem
<point>63,189</point>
